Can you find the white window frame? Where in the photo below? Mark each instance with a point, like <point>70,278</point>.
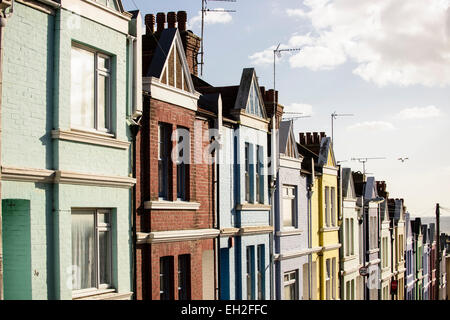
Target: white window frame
<point>289,193</point>
<point>98,227</point>
<point>333,206</point>
<point>292,279</point>
<point>108,97</point>
<point>328,279</point>
<point>327,207</point>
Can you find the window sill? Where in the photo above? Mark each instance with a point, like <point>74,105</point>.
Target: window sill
<point>349,258</point>
<point>97,138</point>
<point>171,205</point>
<point>288,232</point>
<point>94,292</point>
<point>253,207</point>
<point>109,294</point>
<point>329,229</point>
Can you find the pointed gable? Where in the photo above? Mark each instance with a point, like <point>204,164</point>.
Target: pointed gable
<point>249,96</point>
<point>348,186</point>
<point>169,64</point>
<point>326,155</point>
<point>168,77</point>
<point>371,189</point>
<point>287,140</point>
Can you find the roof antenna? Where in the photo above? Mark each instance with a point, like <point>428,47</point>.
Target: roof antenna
<point>204,11</point>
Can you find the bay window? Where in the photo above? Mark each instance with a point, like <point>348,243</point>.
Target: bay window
<point>90,99</point>
<point>91,250</point>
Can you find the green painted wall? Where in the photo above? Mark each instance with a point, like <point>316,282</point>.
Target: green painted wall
<point>36,100</point>
<point>16,249</point>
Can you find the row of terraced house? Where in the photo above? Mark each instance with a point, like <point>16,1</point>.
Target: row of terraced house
<point>124,175</point>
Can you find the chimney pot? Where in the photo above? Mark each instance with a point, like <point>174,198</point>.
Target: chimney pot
<point>149,23</point>
<point>302,138</point>
<point>182,19</point>
<point>160,21</point>
<point>171,19</point>
<point>308,138</point>
<point>316,138</point>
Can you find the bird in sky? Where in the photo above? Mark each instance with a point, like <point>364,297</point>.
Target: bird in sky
<point>403,159</point>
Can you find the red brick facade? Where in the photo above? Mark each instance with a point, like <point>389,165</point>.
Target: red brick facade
<point>200,190</point>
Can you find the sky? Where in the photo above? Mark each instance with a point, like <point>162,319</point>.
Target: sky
<point>387,62</point>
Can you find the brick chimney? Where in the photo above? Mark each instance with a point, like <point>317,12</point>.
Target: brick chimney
<point>191,43</point>
<point>171,20</point>
<point>149,24</point>
<point>182,19</point>
<point>160,21</point>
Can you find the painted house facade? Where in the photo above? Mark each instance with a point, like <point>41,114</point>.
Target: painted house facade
<point>291,221</point>
<point>328,227</point>
<point>175,215</point>
<point>385,253</point>
<point>433,262</point>
<point>349,237</point>
<point>409,259</point>
<point>426,261</point>
<point>396,214</point>
<point>66,100</point>
<point>244,209</point>
<point>418,256</point>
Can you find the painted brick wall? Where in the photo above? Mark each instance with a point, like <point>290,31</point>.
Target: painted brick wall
<point>27,89</point>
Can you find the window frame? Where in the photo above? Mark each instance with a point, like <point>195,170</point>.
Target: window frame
<point>247,175</point>
<point>97,72</point>
<point>184,275</point>
<point>292,280</point>
<point>183,168</point>
<point>293,199</point>
<point>169,260</point>
<point>98,227</point>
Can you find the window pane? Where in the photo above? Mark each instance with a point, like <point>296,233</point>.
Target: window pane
<point>103,95</point>
<point>83,250</point>
<point>82,88</point>
<point>104,244</point>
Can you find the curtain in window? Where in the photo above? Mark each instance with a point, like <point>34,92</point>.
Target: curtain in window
<point>83,257</point>
<point>82,88</point>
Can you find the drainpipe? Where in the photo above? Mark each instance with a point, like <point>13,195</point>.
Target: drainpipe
<point>272,192</point>
<point>3,19</point>
<point>310,193</point>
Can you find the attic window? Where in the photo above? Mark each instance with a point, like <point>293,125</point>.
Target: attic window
<point>173,73</point>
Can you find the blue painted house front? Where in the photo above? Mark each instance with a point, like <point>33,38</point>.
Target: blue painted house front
<point>244,208</point>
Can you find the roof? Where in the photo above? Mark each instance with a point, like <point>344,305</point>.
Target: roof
<point>162,51</point>
<point>384,212</point>
<point>370,191</point>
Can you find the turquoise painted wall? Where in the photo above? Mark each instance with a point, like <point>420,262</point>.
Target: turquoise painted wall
<point>16,249</point>
<point>36,100</point>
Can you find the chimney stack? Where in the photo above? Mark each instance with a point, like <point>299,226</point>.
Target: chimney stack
<point>171,19</point>
<point>160,21</point>
<point>182,19</point>
<point>149,24</point>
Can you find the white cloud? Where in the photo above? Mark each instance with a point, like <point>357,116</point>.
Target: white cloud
<point>400,42</point>
<point>372,126</point>
<point>211,18</point>
<point>295,13</point>
<point>419,113</point>
<point>303,108</point>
